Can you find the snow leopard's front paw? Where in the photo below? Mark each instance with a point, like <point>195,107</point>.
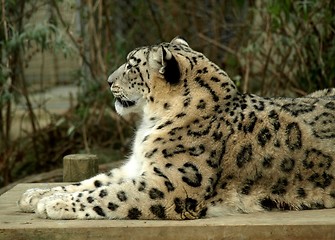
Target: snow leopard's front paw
<point>30,198</point>
<point>56,206</point>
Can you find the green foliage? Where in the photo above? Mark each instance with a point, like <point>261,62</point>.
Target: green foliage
<point>17,37</point>
<point>290,47</point>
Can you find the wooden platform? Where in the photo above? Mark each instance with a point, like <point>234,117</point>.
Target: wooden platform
<point>312,224</point>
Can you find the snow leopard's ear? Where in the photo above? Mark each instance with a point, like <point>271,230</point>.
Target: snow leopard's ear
<point>169,66</point>
<point>179,41</point>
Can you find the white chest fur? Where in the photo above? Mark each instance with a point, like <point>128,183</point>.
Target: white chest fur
<point>134,167</point>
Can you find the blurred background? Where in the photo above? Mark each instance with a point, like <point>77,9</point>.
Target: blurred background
<point>56,57</point>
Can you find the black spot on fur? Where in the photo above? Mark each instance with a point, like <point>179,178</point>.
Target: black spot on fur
<point>90,199</point>
<point>293,136</point>
<point>112,206</point>
<point>205,85</point>
<point>150,153</point>
<point>103,193</point>
<point>187,102</point>
<point>82,207</point>
<point>142,186</point>
<point>168,165</point>
<point>325,161</point>
<point>167,123</point>
<point>299,177</point>
<point>277,144</point>
<point>191,175</point>
<point>134,213</point>
<point>268,204</point>
<point>264,136</point>
<point>201,104</point>
<point>244,106</point>
<point>223,185</point>
<point>169,186</point>
<point>191,204</point>
<point>179,207</point>
<point>203,212</point>
<point>298,108</point>
<point>308,163</point>
<point>121,195</point>
<point>158,172</point>
<point>260,106</point>
<point>145,138</point>
<point>301,193</point>
<point>97,183</point>
<point>321,180</point>
<point>180,115</point>
<point>166,154</point>
<point>176,150</point>
<point>249,128</point>
<point>280,187</point>
<point>166,106</point>
<point>158,210</point>
<point>199,130</point>
<point>317,206</point>
<point>213,182</point>
<point>323,125</point>
<point>287,165</point>
<point>173,131</point>
<point>188,205</point>
<point>217,136</point>
<point>213,163</point>
<point>227,97</point>
<point>99,211</point>
<point>197,150</point>
<point>244,156</point>
<point>154,194</point>
<point>215,79</point>
<point>274,119</point>
<point>224,84</point>
<point>267,161</point>
<point>330,105</point>
<point>247,185</point>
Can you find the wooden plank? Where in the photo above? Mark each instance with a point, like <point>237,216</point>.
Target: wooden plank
<point>311,224</point>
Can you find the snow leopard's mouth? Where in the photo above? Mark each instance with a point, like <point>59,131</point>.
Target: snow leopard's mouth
<point>125,103</point>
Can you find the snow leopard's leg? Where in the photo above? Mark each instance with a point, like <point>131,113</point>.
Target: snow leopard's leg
<point>30,198</point>
<point>153,195</point>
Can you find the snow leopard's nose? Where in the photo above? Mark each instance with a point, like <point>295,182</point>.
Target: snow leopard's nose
<point>110,84</point>
<point>115,75</point>
<point>110,80</point>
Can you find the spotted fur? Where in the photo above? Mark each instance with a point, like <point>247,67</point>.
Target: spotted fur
<point>202,148</point>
